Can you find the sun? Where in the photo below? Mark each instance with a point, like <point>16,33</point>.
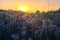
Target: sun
<point>24,8</point>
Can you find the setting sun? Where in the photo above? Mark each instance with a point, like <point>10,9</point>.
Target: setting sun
<point>24,8</point>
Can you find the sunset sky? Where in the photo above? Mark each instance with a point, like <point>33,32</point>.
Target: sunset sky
<point>33,5</point>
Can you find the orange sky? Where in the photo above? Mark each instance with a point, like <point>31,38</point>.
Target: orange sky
<point>33,5</point>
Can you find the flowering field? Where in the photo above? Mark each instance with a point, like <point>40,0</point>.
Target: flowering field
<point>17,25</point>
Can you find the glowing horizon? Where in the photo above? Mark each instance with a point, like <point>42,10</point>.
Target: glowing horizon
<point>33,5</point>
